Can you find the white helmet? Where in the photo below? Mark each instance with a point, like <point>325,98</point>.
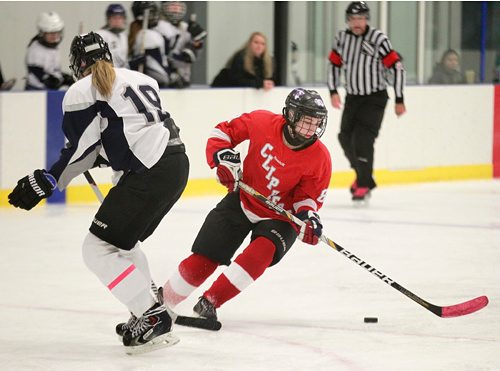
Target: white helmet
<point>49,22</point>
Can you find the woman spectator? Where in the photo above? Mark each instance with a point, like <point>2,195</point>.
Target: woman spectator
<point>250,66</point>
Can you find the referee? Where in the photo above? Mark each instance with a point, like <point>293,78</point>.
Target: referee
<point>366,55</point>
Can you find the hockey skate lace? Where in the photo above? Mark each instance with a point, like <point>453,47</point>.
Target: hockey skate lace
<point>140,326</point>
<point>130,323</point>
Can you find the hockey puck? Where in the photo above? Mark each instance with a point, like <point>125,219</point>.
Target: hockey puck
<point>370,319</point>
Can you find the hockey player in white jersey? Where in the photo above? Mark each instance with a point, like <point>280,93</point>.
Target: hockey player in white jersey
<point>116,113</point>
<point>115,35</point>
<point>184,40</point>
<point>43,58</point>
<point>146,44</point>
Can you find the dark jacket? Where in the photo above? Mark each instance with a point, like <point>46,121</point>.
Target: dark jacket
<point>235,75</point>
<point>443,75</point>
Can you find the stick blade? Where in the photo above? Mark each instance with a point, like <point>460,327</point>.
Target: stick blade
<point>465,308</point>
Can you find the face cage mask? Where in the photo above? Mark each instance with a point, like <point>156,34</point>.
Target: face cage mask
<point>296,116</point>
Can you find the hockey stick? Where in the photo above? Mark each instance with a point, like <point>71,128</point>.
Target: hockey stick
<point>142,51</point>
<point>456,310</point>
<point>94,186</point>
<point>198,322</point>
<point>189,321</point>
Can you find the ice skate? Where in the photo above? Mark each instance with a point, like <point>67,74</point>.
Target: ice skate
<point>353,187</point>
<point>204,308</point>
<point>121,328</point>
<point>361,196</point>
<point>150,332</point>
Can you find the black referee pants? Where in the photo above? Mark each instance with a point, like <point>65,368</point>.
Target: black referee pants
<point>360,125</point>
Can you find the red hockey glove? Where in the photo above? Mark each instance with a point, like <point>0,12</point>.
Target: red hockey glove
<point>311,231</point>
<point>228,168</point>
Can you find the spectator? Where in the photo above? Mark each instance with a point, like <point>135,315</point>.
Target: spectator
<point>448,70</point>
<point>286,162</point>
<point>114,34</point>
<point>146,45</point>
<point>6,85</point>
<point>251,66</point>
<point>43,57</point>
<point>183,40</point>
<point>366,55</point>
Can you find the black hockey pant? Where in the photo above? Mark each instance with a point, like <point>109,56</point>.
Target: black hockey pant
<point>360,125</point>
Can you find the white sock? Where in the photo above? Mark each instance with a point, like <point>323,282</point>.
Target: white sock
<point>119,274</point>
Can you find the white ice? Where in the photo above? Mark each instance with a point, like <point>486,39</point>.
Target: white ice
<point>439,240</point>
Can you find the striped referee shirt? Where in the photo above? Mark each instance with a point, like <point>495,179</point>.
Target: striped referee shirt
<point>366,60</point>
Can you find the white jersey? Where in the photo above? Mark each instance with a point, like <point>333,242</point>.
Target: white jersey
<point>118,46</point>
<point>178,39</point>
<point>156,60</point>
<point>42,62</point>
<point>130,129</point>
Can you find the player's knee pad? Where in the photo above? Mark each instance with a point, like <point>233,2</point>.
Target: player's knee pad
<point>280,233</point>
<point>94,252</point>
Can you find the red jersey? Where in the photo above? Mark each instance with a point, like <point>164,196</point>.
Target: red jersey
<point>294,179</point>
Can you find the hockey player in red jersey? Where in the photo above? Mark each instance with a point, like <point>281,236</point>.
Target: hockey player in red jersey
<point>287,163</point>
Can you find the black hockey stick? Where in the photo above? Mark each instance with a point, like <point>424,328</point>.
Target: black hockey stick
<point>189,321</point>
<point>456,310</point>
<point>198,322</point>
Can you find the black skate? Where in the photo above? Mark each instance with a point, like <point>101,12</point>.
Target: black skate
<point>121,328</point>
<point>204,308</point>
<point>150,332</point>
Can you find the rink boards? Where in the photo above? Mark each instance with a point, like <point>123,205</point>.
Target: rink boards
<point>448,133</point>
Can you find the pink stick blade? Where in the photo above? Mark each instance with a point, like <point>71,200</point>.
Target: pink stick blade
<point>467,307</point>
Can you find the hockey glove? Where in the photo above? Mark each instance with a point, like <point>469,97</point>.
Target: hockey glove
<point>32,189</point>
<point>228,168</point>
<point>312,230</point>
<point>196,31</point>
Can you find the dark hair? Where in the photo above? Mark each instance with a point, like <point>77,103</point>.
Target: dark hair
<point>447,53</point>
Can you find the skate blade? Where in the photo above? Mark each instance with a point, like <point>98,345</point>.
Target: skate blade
<point>361,203</point>
<point>162,341</point>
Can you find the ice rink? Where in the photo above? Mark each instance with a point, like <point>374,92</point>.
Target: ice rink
<point>439,240</point>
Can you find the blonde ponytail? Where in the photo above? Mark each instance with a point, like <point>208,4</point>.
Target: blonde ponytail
<point>103,77</point>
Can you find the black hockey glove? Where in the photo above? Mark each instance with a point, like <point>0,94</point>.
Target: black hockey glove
<point>68,79</point>
<point>52,82</point>
<point>228,168</point>
<point>196,31</point>
<point>32,189</point>
<point>312,230</point>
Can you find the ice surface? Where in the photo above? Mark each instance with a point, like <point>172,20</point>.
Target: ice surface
<point>440,241</point>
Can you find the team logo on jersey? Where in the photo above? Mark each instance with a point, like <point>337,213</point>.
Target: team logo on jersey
<point>267,166</point>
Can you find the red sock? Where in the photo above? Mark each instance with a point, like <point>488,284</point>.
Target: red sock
<point>190,274</point>
<point>195,269</point>
<point>245,269</point>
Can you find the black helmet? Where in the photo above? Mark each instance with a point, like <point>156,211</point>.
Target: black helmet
<point>302,102</point>
<point>357,8</point>
<point>115,9</point>
<point>139,8</point>
<point>85,50</point>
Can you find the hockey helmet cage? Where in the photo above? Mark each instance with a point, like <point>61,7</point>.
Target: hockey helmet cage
<point>302,102</point>
<point>115,9</point>
<point>357,8</point>
<point>174,11</point>
<point>85,50</point>
<point>49,22</point>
